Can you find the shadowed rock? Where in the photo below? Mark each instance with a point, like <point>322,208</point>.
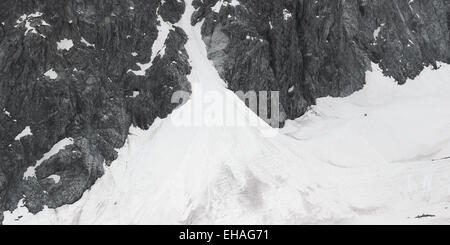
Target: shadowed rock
<point>311,49</point>
<point>64,73</point>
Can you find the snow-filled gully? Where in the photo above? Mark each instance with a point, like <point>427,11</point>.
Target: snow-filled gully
<point>184,172</point>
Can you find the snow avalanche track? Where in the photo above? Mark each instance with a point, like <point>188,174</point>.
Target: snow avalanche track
<point>365,159</point>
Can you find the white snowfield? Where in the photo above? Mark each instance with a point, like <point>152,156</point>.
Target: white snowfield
<point>376,157</point>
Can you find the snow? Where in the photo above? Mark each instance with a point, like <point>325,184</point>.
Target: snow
<point>158,48</point>
<point>291,89</point>
<point>377,31</point>
<point>234,3</point>
<point>25,132</point>
<point>375,157</point>
<point>19,212</point>
<point>7,113</point>
<point>44,23</point>
<point>391,145</point>
<point>65,44</point>
<point>55,178</point>
<point>51,74</point>
<point>27,19</point>
<point>183,165</point>
<point>216,8</point>
<point>287,14</point>
<point>61,145</point>
<point>384,121</point>
<point>134,95</point>
<point>86,43</point>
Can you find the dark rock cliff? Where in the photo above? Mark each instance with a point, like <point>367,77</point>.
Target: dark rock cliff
<point>309,49</point>
<point>88,95</point>
<point>65,71</point>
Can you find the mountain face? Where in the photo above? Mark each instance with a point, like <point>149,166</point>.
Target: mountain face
<point>76,74</point>
<point>65,74</point>
<point>310,49</point>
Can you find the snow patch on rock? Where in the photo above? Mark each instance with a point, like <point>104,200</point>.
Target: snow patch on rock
<point>55,178</point>
<point>65,44</point>
<point>287,14</point>
<point>51,74</point>
<point>83,41</point>
<point>25,132</point>
<point>61,145</point>
<point>30,23</point>
<point>377,31</point>
<point>158,48</point>
<point>7,113</point>
<point>216,8</point>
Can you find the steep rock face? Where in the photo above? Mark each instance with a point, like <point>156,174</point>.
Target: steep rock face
<point>65,74</point>
<point>309,49</point>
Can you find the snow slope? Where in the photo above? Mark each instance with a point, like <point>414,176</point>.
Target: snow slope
<point>389,144</point>
<point>367,158</point>
<point>193,167</point>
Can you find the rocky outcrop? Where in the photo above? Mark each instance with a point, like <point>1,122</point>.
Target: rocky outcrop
<point>309,49</point>
<point>64,73</point>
